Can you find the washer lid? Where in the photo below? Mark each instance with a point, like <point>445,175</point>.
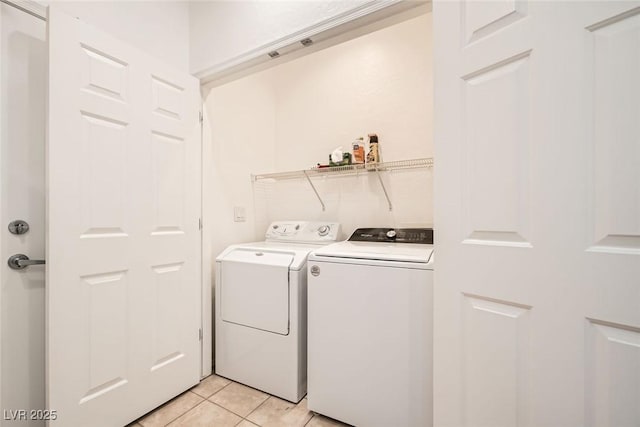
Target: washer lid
<point>401,252</point>
<point>249,253</point>
<point>252,256</point>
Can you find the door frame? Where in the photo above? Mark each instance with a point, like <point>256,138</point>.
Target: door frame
<point>206,251</point>
<point>2,220</point>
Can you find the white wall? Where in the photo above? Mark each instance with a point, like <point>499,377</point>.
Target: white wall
<point>293,115</point>
<point>23,80</point>
<point>243,132</point>
<point>160,28</point>
<point>223,30</point>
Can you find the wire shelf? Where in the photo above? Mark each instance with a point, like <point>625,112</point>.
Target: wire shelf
<point>347,170</point>
<point>376,168</point>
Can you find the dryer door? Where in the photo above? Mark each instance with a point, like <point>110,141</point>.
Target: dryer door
<point>254,289</point>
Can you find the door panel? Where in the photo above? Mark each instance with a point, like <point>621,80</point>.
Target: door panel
<point>612,374</point>
<point>496,146</point>
<point>616,180</point>
<point>496,337</point>
<point>536,321</point>
<point>123,258</point>
<point>482,19</point>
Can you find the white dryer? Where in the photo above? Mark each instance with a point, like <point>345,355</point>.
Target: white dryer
<point>370,328</point>
<point>261,308</point>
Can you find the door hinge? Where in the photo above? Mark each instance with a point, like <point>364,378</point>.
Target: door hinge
<point>200,334</point>
<point>201,117</point>
<point>199,223</point>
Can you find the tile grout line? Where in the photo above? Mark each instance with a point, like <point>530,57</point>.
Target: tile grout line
<point>138,421</point>
<point>226,409</point>
<point>199,403</point>
<point>263,402</point>
<point>215,392</point>
<point>312,416</point>
<point>249,421</point>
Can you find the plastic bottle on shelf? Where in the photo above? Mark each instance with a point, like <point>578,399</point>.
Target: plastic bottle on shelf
<point>358,151</point>
<point>374,149</point>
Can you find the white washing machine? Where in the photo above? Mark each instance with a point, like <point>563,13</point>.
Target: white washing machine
<point>261,308</point>
<point>370,328</point>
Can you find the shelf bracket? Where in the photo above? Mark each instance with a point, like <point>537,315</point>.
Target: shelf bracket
<point>314,189</point>
<point>384,189</point>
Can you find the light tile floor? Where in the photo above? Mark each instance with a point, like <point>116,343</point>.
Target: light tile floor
<point>219,402</point>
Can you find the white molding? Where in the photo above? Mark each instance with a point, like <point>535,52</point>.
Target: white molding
<point>206,235</point>
<point>374,10</point>
<point>29,6</point>
<point>2,219</point>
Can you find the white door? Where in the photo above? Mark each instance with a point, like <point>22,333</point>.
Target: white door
<point>123,244</point>
<point>537,280</point>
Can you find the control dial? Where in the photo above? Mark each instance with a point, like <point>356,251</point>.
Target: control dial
<point>391,234</point>
<point>323,230</point>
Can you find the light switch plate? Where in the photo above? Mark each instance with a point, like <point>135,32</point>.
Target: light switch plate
<point>239,214</point>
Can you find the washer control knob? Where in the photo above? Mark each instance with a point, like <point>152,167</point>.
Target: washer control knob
<point>323,230</point>
<point>315,270</point>
<point>391,234</point>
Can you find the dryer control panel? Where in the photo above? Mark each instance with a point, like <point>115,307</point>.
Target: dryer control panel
<point>303,231</point>
<point>398,235</point>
